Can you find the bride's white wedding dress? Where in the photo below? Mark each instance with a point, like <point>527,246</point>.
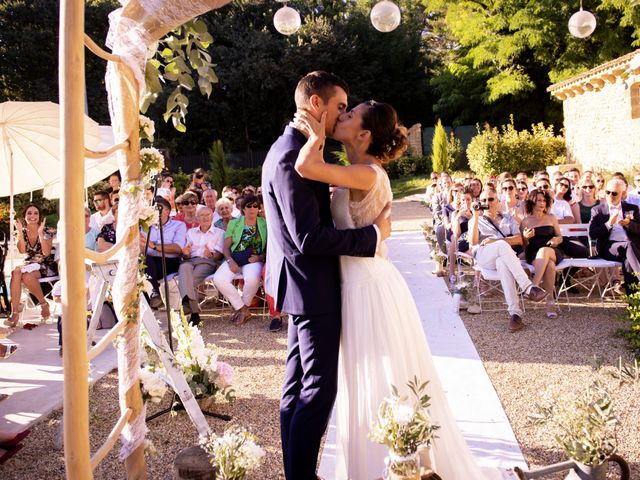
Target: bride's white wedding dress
<point>383,343</point>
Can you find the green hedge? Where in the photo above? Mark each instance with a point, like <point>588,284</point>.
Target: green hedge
<point>506,149</point>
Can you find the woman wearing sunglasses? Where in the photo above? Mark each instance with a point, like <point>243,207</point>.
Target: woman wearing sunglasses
<point>188,202</point>
<point>245,244</point>
<point>510,204</point>
<point>561,207</point>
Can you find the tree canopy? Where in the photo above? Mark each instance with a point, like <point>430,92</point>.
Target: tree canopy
<point>464,61</point>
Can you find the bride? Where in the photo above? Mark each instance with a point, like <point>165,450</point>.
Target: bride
<point>382,341</point>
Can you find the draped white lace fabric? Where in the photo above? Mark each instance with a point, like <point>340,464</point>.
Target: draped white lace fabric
<point>141,23</point>
<point>383,344</point>
<point>132,30</point>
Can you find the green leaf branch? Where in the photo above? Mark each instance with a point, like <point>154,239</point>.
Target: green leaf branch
<point>180,59</point>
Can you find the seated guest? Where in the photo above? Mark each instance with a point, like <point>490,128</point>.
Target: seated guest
<point>492,236</point>
<point>202,253</point>
<point>103,214</point>
<point>114,181</point>
<point>244,250</point>
<point>523,190</point>
<point>439,208</point>
<point>541,236</point>
<point>224,207</point>
<point>600,185</point>
<point>561,207</point>
<point>629,197</point>
<point>588,200</point>
<point>511,205</point>
<point>249,190</point>
<point>476,187</point>
<point>107,236</point>
<point>168,191</point>
<point>189,203</point>
<point>209,199</point>
<point>148,195</point>
<point>175,238</point>
<point>199,182</point>
<point>35,240</point>
<point>459,228</point>
<point>90,234</point>
<point>615,225</point>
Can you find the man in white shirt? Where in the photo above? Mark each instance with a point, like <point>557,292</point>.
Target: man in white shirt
<point>203,251</point>
<point>103,215</point>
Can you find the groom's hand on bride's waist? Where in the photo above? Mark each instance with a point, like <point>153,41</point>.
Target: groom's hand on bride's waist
<point>383,222</point>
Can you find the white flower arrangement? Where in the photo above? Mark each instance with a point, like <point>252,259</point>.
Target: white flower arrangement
<point>152,384</point>
<point>148,216</point>
<point>152,162</point>
<point>462,287</point>
<point>147,128</point>
<point>199,363</point>
<point>404,427</point>
<point>234,454</point>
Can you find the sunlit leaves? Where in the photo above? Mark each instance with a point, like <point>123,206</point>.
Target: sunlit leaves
<point>180,58</point>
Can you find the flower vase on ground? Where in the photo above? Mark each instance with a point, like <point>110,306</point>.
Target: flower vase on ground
<point>588,472</point>
<point>402,468</point>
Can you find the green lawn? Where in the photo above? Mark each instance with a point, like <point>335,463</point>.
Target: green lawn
<point>409,185</point>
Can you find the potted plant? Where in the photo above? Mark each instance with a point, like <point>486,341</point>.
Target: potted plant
<point>234,454</point>
<point>586,429</point>
<point>403,428</point>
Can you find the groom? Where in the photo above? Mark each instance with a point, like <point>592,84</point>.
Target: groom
<point>303,276</point>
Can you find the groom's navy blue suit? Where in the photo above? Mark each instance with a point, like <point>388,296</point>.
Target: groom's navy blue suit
<point>303,276</point>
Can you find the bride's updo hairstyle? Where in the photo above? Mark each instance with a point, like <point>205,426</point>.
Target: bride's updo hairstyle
<point>388,138</point>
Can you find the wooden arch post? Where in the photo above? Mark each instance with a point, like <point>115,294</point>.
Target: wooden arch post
<point>76,387</point>
<point>125,73</point>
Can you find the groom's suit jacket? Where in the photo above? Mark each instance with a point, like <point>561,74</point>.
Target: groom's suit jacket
<point>302,266</point>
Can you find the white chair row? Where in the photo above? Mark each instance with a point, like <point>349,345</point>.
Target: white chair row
<point>591,282</point>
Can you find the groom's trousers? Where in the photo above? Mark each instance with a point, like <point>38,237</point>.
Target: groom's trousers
<point>309,391</point>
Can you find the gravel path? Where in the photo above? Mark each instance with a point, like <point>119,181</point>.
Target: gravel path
<point>549,356</point>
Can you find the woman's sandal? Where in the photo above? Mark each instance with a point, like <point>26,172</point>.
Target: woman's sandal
<point>45,311</point>
<point>13,320</point>
<point>7,350</point>
<point>552,312</point>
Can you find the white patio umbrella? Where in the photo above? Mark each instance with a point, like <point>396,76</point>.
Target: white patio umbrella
<point>30,152</point>
<point>94,169</point>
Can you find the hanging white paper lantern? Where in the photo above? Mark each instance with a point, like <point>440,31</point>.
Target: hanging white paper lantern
<point>385,16</point>
<point>582,24</point>
<point>287,20</point>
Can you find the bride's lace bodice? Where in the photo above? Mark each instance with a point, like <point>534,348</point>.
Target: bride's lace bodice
<point>355,214</point>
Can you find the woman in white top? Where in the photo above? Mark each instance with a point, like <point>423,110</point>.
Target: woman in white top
<point>561,207</point>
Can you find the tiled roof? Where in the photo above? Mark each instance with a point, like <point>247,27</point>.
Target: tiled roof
<point>596,78</point>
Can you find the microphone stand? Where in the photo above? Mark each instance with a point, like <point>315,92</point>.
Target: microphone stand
<point>176,403</point>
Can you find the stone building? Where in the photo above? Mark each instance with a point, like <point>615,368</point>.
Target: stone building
<point>602,115</point>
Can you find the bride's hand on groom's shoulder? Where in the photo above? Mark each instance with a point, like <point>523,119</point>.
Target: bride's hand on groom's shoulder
<point>383,222</point>
<point>309,126</point>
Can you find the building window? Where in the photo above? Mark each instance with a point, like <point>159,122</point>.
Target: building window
<point>635,100</point>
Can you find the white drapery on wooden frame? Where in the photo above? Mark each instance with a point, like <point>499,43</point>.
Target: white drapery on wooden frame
<point>133,28</point>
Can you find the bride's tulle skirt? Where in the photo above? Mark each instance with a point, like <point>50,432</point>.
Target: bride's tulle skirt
<point>383,344</point>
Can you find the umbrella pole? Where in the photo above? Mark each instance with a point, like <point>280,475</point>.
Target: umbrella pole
<point>76,387</point>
